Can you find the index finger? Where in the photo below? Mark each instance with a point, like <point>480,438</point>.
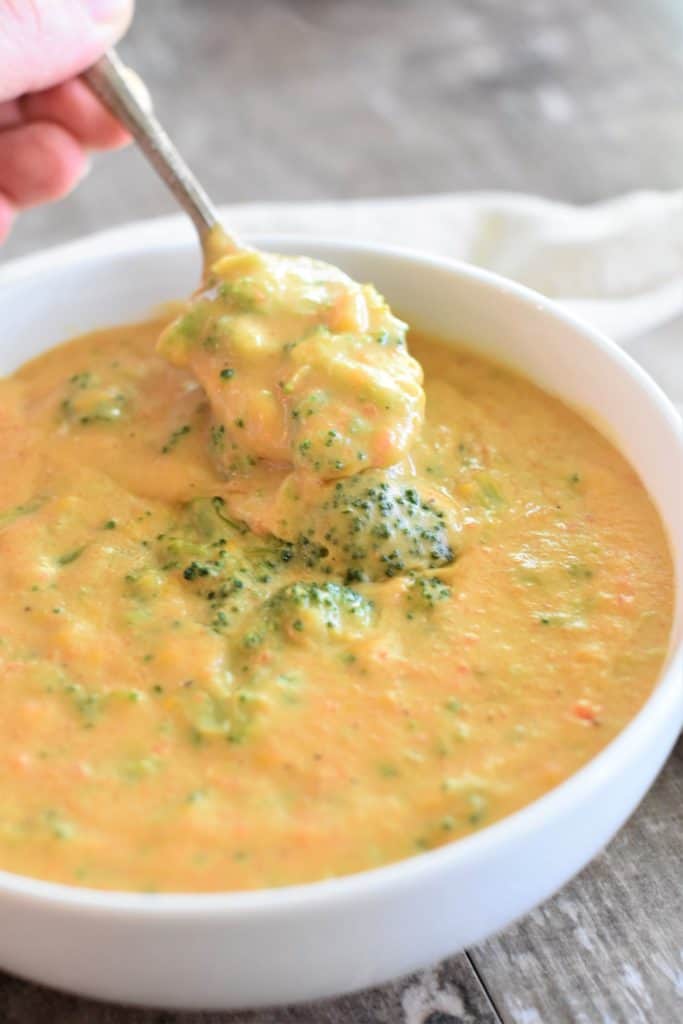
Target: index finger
<point>74,107</point>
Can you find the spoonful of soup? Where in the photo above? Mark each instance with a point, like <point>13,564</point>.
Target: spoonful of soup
<point>312,390</point>
<point>302,366</point>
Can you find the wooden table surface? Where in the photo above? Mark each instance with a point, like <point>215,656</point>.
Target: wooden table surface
<point>295,99</point>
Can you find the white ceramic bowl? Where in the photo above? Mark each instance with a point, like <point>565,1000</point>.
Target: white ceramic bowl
<point>304,942</point>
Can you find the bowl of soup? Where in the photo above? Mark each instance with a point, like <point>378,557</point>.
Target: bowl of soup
<point>245,765</point>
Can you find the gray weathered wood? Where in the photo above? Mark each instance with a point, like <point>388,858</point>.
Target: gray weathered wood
<point>448,994</point>
<point>609,948</point>
<point>294,99</point>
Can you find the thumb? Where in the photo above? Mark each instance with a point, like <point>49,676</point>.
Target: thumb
<point>44,42</point>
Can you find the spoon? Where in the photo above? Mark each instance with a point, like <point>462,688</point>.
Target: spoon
<point>124,94</point>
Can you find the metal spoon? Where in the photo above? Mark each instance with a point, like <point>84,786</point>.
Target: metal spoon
<point>125,96</point>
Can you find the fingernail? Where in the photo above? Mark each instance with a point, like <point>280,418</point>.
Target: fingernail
<point>110,10</point>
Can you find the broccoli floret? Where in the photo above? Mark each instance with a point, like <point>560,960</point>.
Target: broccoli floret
<point>424,593</point>
<point>303,610</point>
<point>198,543</point>
<point>301,613</point>
<point>231,578</point>
<point>321,606</point>
<point>369,528</point>
<point>89,400</point>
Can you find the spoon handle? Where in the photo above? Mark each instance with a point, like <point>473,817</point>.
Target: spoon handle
<point>115,85</point>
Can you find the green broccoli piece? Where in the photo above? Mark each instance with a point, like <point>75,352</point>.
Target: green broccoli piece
<point>230,578</point>
<point>305,610</point>
<point>424,593</point>
<point>318,606</point>
<point>89,400</point>
<point>300,613</point>
<point>369,528</point>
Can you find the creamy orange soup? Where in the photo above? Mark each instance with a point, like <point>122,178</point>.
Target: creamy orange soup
<point>213,680</point>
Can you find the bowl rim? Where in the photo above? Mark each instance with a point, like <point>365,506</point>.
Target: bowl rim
<point>160,235</point>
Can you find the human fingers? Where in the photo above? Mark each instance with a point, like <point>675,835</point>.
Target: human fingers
<point>74,107</point>
<point>44,42</point>
<point>39,162</point>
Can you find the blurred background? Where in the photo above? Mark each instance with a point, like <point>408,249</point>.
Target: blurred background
<point>298,99</point>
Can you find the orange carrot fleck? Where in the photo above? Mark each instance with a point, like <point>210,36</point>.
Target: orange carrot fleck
<point>586,710</point>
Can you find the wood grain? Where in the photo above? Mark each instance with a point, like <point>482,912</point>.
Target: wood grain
<point>609,948</point>
<point>450,993</point>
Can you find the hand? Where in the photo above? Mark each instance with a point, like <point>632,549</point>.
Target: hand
<point>48,118</point>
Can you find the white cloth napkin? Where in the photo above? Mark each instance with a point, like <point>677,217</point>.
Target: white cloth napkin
<point>619,264</point>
